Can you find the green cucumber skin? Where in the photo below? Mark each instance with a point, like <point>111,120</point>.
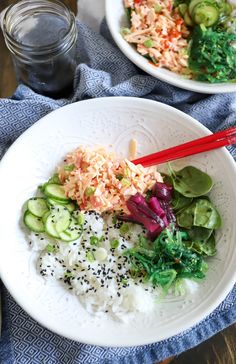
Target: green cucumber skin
<point>37,206</point>
<point>50,227</point>
<point>49,214</point>
<point>206,14</point>
<point>61,217</point>
<point>30,221</point>
<point>55,191</point>
<point>70,206</point>
<point>68,235</point>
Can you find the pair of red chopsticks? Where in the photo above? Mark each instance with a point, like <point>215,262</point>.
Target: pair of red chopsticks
<point>210,142</point>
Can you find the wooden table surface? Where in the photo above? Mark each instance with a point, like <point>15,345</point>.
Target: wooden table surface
<point>220,349</point>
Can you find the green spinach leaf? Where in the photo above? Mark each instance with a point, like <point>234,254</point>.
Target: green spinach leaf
<point>186,216</point>
<point>179,201</point>
<point>209,247</point>
<point>206,215</point>
<point>197,233</point>
<point>191,182</point>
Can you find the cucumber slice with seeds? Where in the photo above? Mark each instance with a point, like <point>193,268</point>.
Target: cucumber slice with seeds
<point>45,216</point>
<point>79,217</point>
<point>33,222</point>
<point>37,206</point>
<point>205,13</point>
<point>61,217</point>
<point>53,202</point>
<point>57,221</point>
<point>55,191</point>
<point>70,206</point>
<point>72,233</point>
<point>50,227</point>
<point>192,5</point>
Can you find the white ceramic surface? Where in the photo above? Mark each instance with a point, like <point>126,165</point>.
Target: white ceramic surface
<point>117,19</point>
<point>32,159</point>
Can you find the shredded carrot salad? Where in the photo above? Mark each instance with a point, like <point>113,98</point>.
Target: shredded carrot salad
<point>98,181</point>
<point>159,32</point>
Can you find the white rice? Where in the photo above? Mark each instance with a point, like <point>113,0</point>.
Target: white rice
<point>103,285</point>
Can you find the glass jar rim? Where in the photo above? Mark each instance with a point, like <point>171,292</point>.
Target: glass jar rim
<point>35,49</point>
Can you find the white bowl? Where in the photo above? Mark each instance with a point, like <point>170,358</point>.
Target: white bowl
<point>117,19</point>
<point>32,159</point>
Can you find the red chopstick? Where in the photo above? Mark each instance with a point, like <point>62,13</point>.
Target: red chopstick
<point>200,145</point>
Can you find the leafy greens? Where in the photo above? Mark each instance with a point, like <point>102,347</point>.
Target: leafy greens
<point>212,55</point>
<point>166,259</point>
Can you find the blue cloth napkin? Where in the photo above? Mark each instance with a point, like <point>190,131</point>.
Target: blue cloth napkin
<point>104,71</point>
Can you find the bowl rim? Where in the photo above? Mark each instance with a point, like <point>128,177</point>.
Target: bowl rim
<point>141,62</point>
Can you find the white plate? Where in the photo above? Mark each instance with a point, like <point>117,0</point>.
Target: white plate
<point>108,121</point>
<point>117,19</point>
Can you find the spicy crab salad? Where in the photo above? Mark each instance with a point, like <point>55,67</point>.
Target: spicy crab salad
<point>121,236</point>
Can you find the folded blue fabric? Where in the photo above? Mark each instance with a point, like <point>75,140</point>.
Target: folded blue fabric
<point>104,71</point>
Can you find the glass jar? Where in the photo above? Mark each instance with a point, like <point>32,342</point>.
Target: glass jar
<point>41,36</point>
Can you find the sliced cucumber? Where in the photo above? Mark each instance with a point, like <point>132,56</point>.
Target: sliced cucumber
<point>33,222</point>
<point>45,216</point>
<point>194,3</point>
<point>55,179</point>
<point>55,191</point>
<point>57,221</point>
<point>54,201</point>
<point>205,13</point>
<point>61,217</point>
<point>72,233</point>
<point>70,206</point>
<point>37,206</point>
<point>50,227</point>
<point>79,216</point>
